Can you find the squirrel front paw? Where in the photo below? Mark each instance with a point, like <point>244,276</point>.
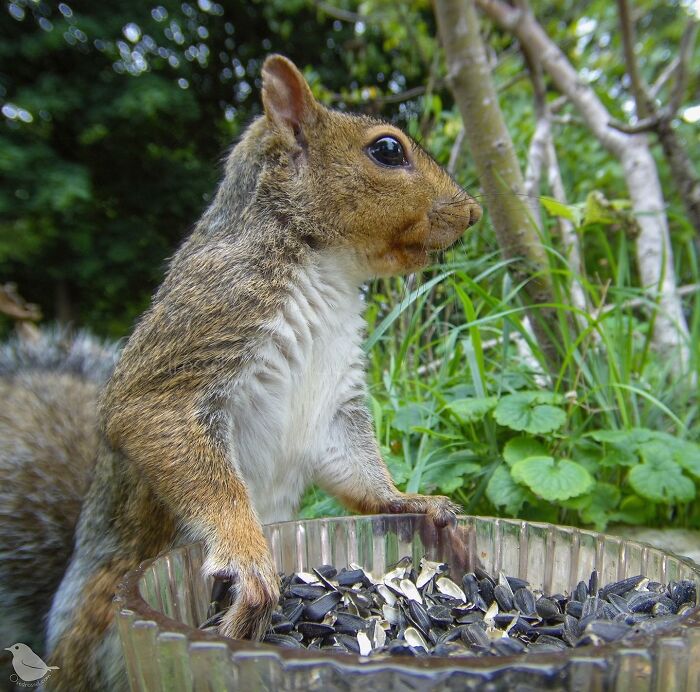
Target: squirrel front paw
<point>437,507</point>
<point>254,595</point>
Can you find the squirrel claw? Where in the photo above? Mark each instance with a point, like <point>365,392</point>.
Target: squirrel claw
<point>252,595</point>
<point>440,509</point>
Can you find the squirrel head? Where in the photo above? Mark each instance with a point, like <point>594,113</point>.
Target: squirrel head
<point>349,181</point>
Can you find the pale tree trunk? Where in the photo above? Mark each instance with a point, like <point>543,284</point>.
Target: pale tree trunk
<point>567,232</point>
<point>469,77</point>
<point>653,246</point>
<point>659,119</point>
<point>542,162</point>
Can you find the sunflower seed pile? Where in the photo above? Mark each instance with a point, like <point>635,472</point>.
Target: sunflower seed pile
<point>426,612</point>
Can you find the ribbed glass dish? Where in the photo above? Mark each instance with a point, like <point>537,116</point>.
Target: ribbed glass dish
<point>159,605</point>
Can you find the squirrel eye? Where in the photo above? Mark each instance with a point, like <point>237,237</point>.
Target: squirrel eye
<point>387,151</point>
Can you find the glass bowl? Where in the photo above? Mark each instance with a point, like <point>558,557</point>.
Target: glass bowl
<point>159,605</point>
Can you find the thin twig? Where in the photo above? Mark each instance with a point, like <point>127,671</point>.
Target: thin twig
<point>644,105</point>
<point>455,152</point>
<point>663,77</point>
<point>339,13</point>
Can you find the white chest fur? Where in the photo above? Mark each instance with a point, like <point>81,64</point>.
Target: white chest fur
<point>283,406</point>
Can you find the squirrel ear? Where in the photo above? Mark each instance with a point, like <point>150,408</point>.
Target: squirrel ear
<point>286,96</point>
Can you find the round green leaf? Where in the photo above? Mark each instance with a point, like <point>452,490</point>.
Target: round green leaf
<point>522,447</point>
<point>685,453</point>
<point>522,411</point>
<point>503,491</point>
<point>660,479</point>
<point>473,409</point>
<point>552,480</point>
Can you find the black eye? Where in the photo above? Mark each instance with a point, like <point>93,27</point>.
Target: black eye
<point>387,151</point>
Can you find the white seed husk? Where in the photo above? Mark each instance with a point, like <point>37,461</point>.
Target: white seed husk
<point>396,574</point>
<point>365,644</point>
<point>427,572</point>
<point>378,636</point>
<point>449,588</point>
<point>490,614</point>
<point>387,594</point>
<point>409,590</point>
<point>307,577</point>
<point>414,638</point>
<point>391,615</point>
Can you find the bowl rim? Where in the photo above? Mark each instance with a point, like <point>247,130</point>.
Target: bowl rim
<point>128,600</point>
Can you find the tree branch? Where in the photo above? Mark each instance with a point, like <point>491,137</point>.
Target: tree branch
<point>663,77</point>
<point>455,152</point>
<point>685,52</point>
<point>644,105</point>
<point>339,13</point>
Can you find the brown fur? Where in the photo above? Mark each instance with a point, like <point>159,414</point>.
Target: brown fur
<point>299,181</point>
<point>47,453</point>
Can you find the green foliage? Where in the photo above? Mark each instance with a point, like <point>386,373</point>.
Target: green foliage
<point>552,479</point>
<point>532,412</point>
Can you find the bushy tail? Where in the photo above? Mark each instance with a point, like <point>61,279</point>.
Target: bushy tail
<point>49,390</point>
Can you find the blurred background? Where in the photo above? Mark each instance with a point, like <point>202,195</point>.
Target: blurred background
<point>116,116</point>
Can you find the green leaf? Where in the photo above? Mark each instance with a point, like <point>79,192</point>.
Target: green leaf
<point>659,478</point>
<point>629,438</point>
<point>587,453</point>
<point>685,453</point>
<point>603,501</point>
<point>474,409</point>
<point>619,447</point>
<point>529,411</point>
<point>447,473</point>
<point>522,447</point>
<point>503,491</point>
<point>622,445</point>
<point>552,480</point>
<point>634,510</point>
<point>566,211</point>
<point>398,468</point>
<point>410,416</point>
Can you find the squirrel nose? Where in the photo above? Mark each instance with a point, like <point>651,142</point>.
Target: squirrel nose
<point>475,214</point>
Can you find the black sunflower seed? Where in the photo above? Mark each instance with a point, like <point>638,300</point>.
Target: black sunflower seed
<point>347,623</point>
<point>524,601</point>
<point>317,610</point>
<point>326,571</point>
<point>329,614</point>
<point>353,576</point>
<point>593,583</point>
<point>486,591</point>
<point>283,640</point>
<point>642,602</point>
<point>311,630</point>
<point>574,608</point>
<point>506,646</point>
<point>419,616</point>
<point>621,587</point>
<point>309,592</point>
<point>581,592</point>
<point>503,597</point>
<point>547,608</point>
<point>683,592</point>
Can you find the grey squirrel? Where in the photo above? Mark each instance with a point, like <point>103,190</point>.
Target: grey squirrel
<point>244,381</point>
